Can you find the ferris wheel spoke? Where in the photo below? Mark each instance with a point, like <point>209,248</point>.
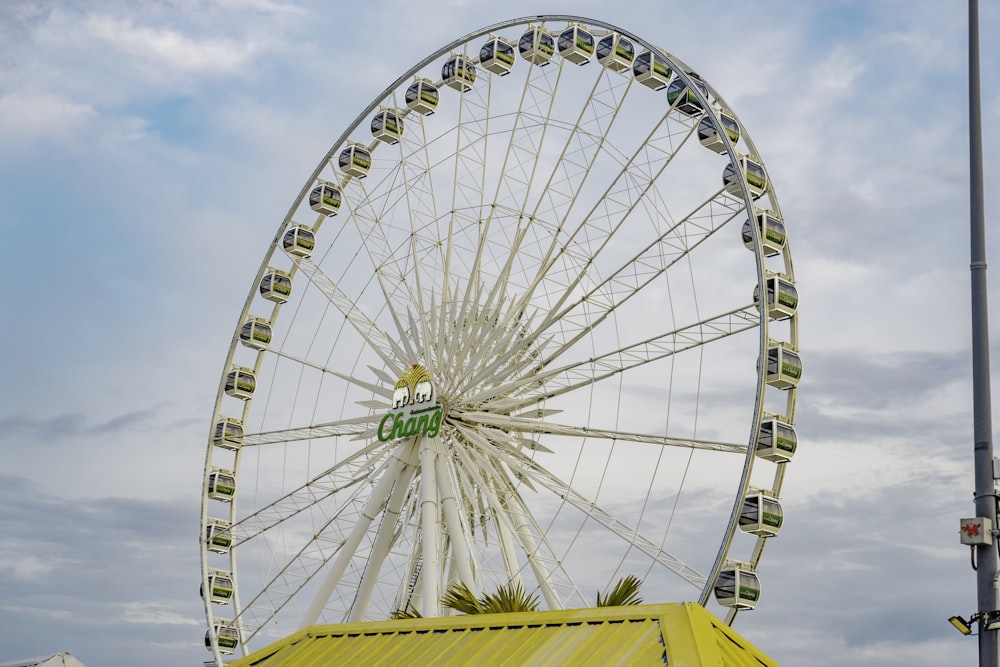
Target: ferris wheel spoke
<point>346,474</point>
<point>534,388</point>
<point>595,305</point>
<point>513,520</point>
<point>578,155</point>
<point>381,343</point>
<point>352,426</point>
<point>630,186</point>
<point>390,271</point>
<point>565,492</point>
<point>327,540</point>
<point>422,213</point>
<point>377,389</point>
<point>527,425</point>
<point>516,169</point>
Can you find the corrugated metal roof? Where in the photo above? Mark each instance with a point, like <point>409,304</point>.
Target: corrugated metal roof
<point>678,635</point>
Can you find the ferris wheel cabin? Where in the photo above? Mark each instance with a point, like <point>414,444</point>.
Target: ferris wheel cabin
<point>458,72</point>
<point>422,96</point>
<point>738,588</point>
<point>227,638</point>
<point>218,539</point>
<point>761,515</point>
<point>709,132</point>
<point>325,199</point>
<point>651,70</point>
<point>576,45</point>
<point>615,52</point>
<point>276,285</point>
<point>782,298</point>
<point>537,46</point>
<point>221,485</point>
<point>753,171</point>
<point>299,241</point>
<point>497,56</point>
<point>683,98</point>
<point>387,126</point>
<point>784,367</point>
<point>355,160</point>
<point>776,441</point>
<point>228,433</point>
<point>256,333</point>
<point>220,587</point>
<point>772,233</point>
<point>240,382</point>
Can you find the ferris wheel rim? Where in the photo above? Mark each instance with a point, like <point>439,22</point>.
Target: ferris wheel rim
<point>681,72</point>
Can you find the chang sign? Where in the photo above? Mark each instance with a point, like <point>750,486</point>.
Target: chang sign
<point>415,411</point>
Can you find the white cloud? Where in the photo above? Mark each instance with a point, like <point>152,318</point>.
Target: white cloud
<point>166,48</point>
<point>25,115</point>
<point>154,613</point>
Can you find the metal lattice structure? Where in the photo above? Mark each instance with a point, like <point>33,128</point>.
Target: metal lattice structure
<point>532,319</point>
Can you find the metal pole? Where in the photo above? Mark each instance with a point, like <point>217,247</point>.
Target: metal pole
<point>986,506</point>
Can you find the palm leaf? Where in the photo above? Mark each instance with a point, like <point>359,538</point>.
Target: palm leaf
<point>461,599</point>
<point>509,598</point>
<point>409,612</point>
<point>625,592</point>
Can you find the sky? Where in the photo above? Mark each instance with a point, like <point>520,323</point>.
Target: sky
<point>149,150</point>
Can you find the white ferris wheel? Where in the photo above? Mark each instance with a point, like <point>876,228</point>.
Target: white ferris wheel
<point>510,330</point>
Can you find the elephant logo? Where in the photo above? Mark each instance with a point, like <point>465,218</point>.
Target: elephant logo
<point>413,388</point>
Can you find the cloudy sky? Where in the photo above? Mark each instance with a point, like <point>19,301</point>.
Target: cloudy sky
<point>149,150</point>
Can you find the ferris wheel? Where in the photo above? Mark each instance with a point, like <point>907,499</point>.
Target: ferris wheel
<point>531,320</point>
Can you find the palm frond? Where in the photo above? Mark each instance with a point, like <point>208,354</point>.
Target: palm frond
<point>461,599</point>
<point>409,612</point>
<point>509,598</point>
<point>625,592</point>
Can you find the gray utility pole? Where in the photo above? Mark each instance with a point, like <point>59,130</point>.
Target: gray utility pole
<point>986,504</point>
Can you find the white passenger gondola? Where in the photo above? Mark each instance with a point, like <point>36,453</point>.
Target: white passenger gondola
<point>684,99</point>
<point>651,69</point>
<point>458,72</point>
<point>240,382</point>
<point>256,333</point>
<point>299,241</point>
<point>355,160</point>
<point>576,45</point>
<point>228,433</point>
<point>221,485</point>
<point>387,126</point>
<point>784,367</point>
<point>753,171</point>
<point>772,232</point>
<point>218,539</point>
<point>709,134</point>
<point>227,638</point>
<point>325,199</point>
<point>761,515</point>
<point>615,52</point>
<point>737,587</point>
<point>537,46</point>
<point>497,56</point>
<point>422,96</point>
<point>782,298</point>
<point>220,587</point>
<point>276,285</point>
<point>776,441</point>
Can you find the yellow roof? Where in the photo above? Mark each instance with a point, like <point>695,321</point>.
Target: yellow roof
<point>678,635</point>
